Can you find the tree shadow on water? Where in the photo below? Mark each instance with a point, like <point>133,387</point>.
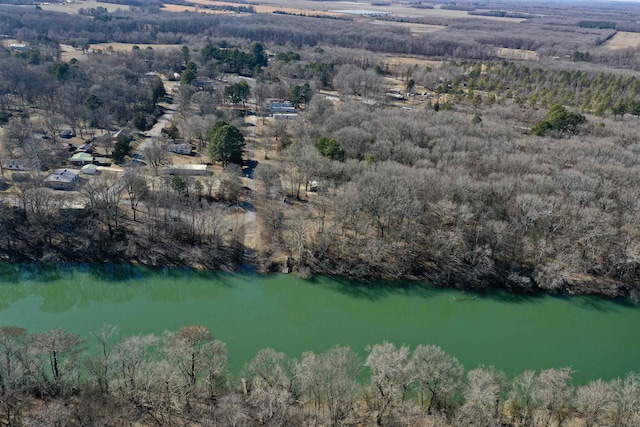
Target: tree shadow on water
<point>376,289</point>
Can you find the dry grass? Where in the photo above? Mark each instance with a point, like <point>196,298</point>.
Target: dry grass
<point>527,55</point>
<point>69,52</point>
<point>182,8</point>
<point>86,4</point>
<point>124,47</point>
<point>623,40</point>
<point>330,8</point>
<point>396,9</point>
<point>262,8</point>
<point>414,28</point>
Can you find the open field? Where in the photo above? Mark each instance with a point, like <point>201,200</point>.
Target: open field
<point>396,9</point>
<point>261,8</point>
<point>87,4</point>
<point>396,62</point>
<point>414,28</point>
<point>183,8</point>
<point>623,40</point>
<point>330,8</point>
<point>522,54</point>
<point>69,52</point>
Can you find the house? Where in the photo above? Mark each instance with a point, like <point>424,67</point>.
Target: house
<point>281,107</point>
<point>102,161</point>
<point>81,159</point>
<point>187,170</point>
<point>186,149</point>
<point>18,47</point>
<point>62,179</point>
<point>14,165</point>
<point>203,83</point>
<point>85,148</point>
<point>285,116</point>
<point>89,169</point>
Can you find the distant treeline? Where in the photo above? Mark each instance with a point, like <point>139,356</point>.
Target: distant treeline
<point>477,39</point>
<point>504,14</point>
<point>597,24</point>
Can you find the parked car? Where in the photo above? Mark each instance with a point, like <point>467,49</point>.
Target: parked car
<point>66,134</point>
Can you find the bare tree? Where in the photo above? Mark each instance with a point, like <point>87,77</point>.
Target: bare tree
<point>482,397</point>
<point>271,387</point>
<point>104,193</point>
<point>136,186</point>
<point>268,175</point>
<point>184,349</point>
<point>102,365</point>
<point>555,392</point>
<point>390,376</point>
<point>197,128</point>
<point>156,154</point>
<point>593,401</point>
<point>437,374</point>
<point>625,407</point>
<point>522,398</point>
<point>12,384</point>
<point>53,125</point>
<point>56,355</point>
<point>131,355</point>
<point>17,134</point>
<point>331,379</point>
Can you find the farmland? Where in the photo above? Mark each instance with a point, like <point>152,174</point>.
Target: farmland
<point>623,40</point>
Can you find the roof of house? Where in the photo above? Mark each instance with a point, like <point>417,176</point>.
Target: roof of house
<point>14,164</point>
<point>180,146</point>
<point>82,157</point>
<point>187,167</point>
<point>63,175</point>
<point>90,169</point>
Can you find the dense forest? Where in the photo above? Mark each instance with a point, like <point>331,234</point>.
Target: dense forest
<point>56,378</point>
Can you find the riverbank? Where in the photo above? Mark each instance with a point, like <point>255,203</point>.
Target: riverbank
<point>229,256</point>
<point>163,236</point>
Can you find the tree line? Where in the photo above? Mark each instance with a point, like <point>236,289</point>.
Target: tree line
<point>181,377</point>
<point>468,38</point>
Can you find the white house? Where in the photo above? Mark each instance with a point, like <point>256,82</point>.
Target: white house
<point>185,149</point>
<point>190,170</point>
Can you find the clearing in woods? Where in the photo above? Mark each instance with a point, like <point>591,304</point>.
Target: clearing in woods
<point>415,29</point>
<point>623,40</point>
<point>68,52</point>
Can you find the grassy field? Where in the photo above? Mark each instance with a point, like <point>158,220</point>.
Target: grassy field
<point>86,4</point>
<point>399,9</point>
<point>69,52</point>
<point>623,40</point>
<point>527,55</point>
<point>414,28</point>
<point>289,7</point>
<point>402,62</point>
<point>332,8</point>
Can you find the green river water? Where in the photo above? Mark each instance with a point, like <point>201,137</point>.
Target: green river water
<point>598,338</point>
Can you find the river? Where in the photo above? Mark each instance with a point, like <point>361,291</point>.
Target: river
<point>598,338</point>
